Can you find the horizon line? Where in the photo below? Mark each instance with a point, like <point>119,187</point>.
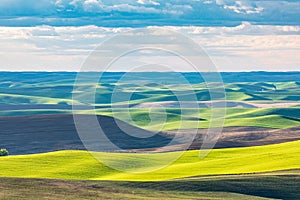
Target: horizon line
<point>41,71</point>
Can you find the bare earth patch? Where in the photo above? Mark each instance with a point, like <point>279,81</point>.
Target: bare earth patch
<point>46,133</point>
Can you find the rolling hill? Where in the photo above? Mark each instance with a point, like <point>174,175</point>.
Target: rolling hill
<point>82,165</point>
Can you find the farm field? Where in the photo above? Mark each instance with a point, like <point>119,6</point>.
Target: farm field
<point>256,155</point>
<point>31,135</point>
<point>149,99</point>
<point>277,185</point>
<point>83,165</point>
<point>58,88</point>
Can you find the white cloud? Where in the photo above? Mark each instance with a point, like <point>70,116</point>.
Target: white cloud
<point>97,6</point>
<point>43,31</point>
<point>148,2</point>
<point>207,2</point>
<point>245,28</point>
<point>244,6</point>
<point>93,5</point>
<point>257,46</point>
<point>134,13</point>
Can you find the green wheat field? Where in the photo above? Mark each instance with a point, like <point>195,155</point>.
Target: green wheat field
<point>256,156</point>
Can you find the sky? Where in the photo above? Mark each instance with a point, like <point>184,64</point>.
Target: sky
<point>59,35</point>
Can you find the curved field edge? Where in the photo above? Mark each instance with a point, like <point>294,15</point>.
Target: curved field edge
<point>278,185</point>
<point>82,165</point>
<point>174,118</point>
<point>278,118</point>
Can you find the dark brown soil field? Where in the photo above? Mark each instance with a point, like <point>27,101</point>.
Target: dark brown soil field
<point>277,185</point>
<point>236,137</point>
<point>45,133</point>
<point>250,136</point>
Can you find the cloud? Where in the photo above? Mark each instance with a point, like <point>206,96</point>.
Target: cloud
<point>43,31</point>
<point>245,28</point>
<point>139,13</point>
<point>244,6</point>
<point>93,5</point>
<point>148,2</point>
<point>243,47</point>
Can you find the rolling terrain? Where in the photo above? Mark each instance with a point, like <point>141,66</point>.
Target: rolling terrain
<point>256,155</point>
<point>82,165</point>
<point>47,133</point>
<point>276,185</point>
<point>58,88</point>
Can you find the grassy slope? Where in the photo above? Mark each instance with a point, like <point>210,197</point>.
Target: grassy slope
<point>54,90</point>
<point>254,186</point>
<point>18,89</point>
<point>259,117</point>
<point>27,99</point>
<point>81,165</point>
